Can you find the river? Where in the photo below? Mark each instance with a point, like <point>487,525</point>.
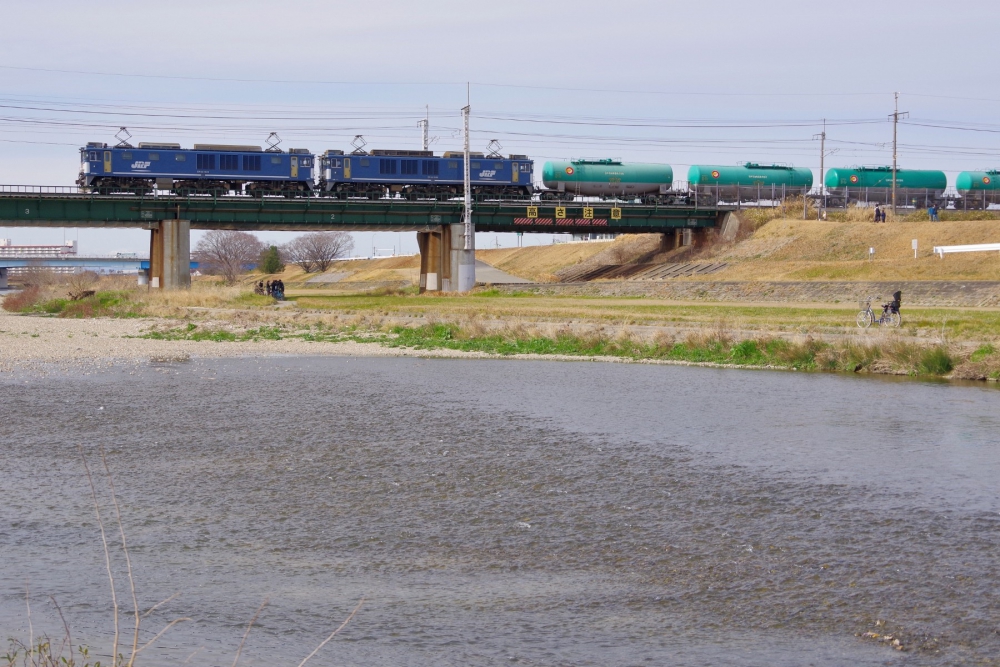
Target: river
<point>508,512</point>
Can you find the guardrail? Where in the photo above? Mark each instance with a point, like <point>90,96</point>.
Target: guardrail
<point>40,189</point>
<point>941,250</point>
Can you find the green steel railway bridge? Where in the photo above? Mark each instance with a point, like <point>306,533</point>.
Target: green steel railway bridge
<point>440,232</point>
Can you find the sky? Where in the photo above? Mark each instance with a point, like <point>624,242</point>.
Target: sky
<point>681,83</point>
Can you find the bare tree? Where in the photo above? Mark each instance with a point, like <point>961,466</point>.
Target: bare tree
<point>317,250</point>
<point>228,253</point>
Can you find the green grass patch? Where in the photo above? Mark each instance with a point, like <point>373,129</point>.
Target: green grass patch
<point>196,333</point>
<point>982,353</point>
<point>109,303</point>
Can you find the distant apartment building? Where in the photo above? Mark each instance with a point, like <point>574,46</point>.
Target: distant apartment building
<point>8,249</point>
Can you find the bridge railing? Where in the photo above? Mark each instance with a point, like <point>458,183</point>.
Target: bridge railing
<point>40,189</point>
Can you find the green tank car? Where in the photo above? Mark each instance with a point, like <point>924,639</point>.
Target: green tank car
<point>978,189</point>
<point>747,182</point>
<point>919,188</point>
<point>606,178</point>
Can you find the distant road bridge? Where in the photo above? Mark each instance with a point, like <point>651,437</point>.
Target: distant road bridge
<point>70,263</point>
<point>437,223</point>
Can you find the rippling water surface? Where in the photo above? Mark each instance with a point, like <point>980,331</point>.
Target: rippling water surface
<point>510,512</point>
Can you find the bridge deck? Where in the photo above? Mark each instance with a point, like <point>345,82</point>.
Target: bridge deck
<point>63,209</point>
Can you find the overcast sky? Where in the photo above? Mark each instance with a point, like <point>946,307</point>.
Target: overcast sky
<point>683,83</point>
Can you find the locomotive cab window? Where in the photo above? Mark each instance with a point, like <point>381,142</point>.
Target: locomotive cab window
<point>306,162</point>
<point>498,165</point>
<point>476,165</point>
<point>364,162</point>
<point>276,160</point>
<point>93,155</point>
<point>154,156</point>
<point>180,157</point>
<point>126,156</point>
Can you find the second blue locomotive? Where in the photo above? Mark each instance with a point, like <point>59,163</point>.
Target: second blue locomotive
<point>419,174</point>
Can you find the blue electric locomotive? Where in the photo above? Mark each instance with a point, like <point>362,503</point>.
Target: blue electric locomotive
<point>204,169</point>
<point>418,174</point>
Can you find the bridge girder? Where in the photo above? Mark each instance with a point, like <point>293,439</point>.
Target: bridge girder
<point>319,214</point>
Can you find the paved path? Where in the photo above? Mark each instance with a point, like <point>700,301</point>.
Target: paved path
<point>486,274</point>
<point>334,277</point>
<point>954,293</point>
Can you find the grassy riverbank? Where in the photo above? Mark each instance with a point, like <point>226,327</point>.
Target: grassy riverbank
<point>885,355</point>
<point>938,342</point>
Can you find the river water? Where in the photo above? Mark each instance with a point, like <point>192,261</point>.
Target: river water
<point>508,512</point>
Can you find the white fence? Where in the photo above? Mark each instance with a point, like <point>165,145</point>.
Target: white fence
<point>940,250</point>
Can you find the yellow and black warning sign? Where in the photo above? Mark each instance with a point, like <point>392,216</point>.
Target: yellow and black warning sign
<point>532,212</point>
<point>588,212</point>
<point>560,212</point>
<point>616,213</point>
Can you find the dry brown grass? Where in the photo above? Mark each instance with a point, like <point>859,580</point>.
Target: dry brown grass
<point>540,263</point>
<point>789,208</point>
<point>201,295</point>
<point>788,249</point>
<point>22,300</point>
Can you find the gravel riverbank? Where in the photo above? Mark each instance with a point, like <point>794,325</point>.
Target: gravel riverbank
<point>35,342</point>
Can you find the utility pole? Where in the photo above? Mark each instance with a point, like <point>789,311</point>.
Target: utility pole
<point>895,116</point>
<point>822,155</point>
<point>464,256</point>
<point>822,164</point>
<point>425,128</point>
<point>467,179</point>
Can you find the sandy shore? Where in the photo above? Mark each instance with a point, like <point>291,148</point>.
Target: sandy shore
<point>33,342</point>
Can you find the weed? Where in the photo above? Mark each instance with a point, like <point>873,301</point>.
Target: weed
<point>746,352</point>
<point>935,361</point>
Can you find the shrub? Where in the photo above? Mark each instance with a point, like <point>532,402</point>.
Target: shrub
<point>23,301</point>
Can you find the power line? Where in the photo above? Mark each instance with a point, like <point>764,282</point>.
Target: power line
<point>484,84</point>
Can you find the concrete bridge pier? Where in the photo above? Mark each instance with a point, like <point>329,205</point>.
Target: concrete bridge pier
<point>170,255</point>
<point>445,264</point>
<point>3,279</point>
<point>429,244</point>
<point>463,262</point>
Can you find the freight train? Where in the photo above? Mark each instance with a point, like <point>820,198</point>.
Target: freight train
<point>250,170</point>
